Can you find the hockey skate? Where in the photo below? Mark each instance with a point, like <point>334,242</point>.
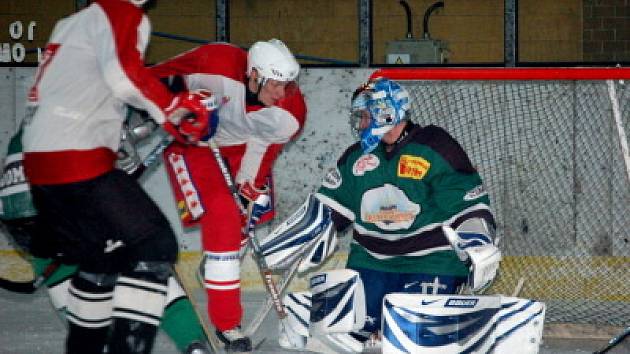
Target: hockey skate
<point>373,344</point>
<point>235,341</point>
<point>198,348</point>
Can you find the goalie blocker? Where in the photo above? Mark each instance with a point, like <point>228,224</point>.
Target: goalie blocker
<point>330,316</point>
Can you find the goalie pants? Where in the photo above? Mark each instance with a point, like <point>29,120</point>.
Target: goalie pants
<point>220,233</point>
<point>378,284</point>
<point>107,226</point>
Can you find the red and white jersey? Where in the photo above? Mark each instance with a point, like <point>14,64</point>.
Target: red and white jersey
<point>221,69</point>
<point>92,65</point>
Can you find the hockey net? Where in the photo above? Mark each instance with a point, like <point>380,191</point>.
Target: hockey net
<point>551,146</point>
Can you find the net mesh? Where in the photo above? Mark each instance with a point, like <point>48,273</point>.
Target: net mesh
<point>550,156</point>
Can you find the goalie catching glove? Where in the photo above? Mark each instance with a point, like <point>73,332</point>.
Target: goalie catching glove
<point>474,246</point>
<point>191,116</point>
<point>308,234</point>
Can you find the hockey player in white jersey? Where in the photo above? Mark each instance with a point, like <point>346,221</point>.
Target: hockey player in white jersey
<point>99,217</point>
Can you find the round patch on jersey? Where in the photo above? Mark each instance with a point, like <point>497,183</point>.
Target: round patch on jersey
<point>365,164</point>
<point>389,208</point>
<point>332,180</point>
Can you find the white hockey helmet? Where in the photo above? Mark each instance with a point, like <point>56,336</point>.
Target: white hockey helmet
<point>272,60</point>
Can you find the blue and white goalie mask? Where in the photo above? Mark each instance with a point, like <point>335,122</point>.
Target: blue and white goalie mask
<point>377,107</point>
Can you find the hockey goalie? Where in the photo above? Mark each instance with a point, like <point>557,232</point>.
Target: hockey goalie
<point>422,245</point>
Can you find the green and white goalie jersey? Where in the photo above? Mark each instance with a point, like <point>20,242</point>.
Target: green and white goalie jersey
<point>398,200</point>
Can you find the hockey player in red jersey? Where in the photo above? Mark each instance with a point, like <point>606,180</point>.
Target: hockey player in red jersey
<point>262,109</point>
<point>97,216</point>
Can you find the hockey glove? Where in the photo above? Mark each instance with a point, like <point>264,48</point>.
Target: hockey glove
<point>258,203</point>
<point>189,115</point>
<point>481,257</point>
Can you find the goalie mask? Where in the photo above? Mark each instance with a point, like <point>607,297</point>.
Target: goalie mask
<point>376,108</point>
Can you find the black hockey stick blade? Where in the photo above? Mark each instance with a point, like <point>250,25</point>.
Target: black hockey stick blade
<point>29,287</point>
<point>614,341</point>
<point>22,287</point>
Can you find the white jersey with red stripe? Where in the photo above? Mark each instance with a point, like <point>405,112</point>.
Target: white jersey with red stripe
<point>221,69</point>
<point>92,65</point>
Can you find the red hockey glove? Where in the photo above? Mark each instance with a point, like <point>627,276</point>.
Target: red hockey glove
<point>188,116</point>
<point>257,202</point>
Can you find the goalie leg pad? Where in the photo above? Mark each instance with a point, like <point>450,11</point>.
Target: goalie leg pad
<point>294,334</point>
<point>449,324</point>
<point>414,323</point>
<point>324,246</point>
<point>338,302</point>
<point>289,240</point>
<point>519,326</point>
<point>295,330</point>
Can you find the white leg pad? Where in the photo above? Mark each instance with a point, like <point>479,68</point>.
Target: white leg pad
<point>417,323</point>
<point>338,302</point>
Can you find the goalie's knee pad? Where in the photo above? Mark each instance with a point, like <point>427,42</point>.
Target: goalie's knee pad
<point>338,302</point>
<point>309,229</point>
<point>295,331</point>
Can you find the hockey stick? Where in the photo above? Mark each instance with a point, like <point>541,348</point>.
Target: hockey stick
<point>264,270</point>
<point>29,287</point>
<point>262,313</point>
<point>614,341</point>
<point>214,342</point>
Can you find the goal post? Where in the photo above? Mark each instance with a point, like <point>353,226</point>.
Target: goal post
<point>551,145</point>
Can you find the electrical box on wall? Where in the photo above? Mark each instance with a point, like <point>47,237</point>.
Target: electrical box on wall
<point>417,51</point>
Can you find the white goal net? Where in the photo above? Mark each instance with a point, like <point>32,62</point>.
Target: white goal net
<point>551,146</point>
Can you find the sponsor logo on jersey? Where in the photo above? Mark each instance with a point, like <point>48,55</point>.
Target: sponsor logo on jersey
<point>332,180</point>
<point>365,164</point>
<point>13,174</point>
<point>460,302</point>
<point>414,167</point>
<point>389,208</point>
<point>475,193</point>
